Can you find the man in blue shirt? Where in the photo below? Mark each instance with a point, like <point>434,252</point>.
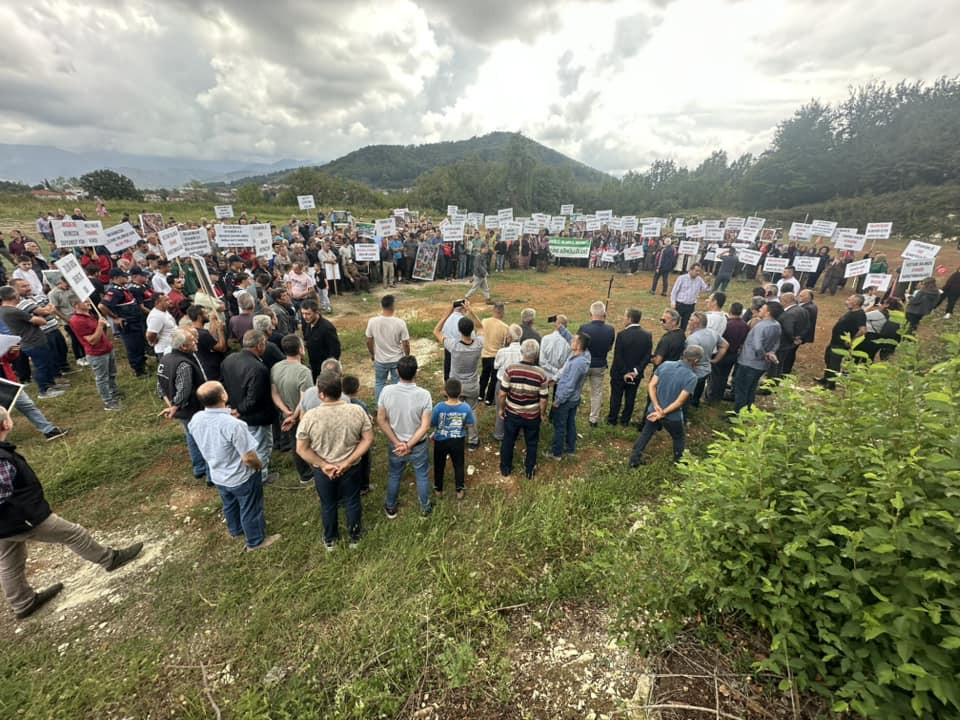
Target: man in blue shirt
<point>566,397</point>
<point>669,389</point>
<point>602,336</point>
<point>758,354</point>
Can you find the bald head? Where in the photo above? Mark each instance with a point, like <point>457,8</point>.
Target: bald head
<point>212,395</point>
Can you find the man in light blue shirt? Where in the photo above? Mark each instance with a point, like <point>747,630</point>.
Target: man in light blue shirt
<point>686,290</point>
<point>451,329</point>
<point>555,348</point>
<point>566,397</point>
<point>230,451</point>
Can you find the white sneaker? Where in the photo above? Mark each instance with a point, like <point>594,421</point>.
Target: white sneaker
<point>946,316</point>
<point>83,362</point>
<point>51,392</point>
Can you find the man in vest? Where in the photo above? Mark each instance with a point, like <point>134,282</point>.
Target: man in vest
<point>179,374</point>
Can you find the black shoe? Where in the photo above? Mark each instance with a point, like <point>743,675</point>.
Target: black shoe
<point>124,555</point>
<point>593,424</point>
<point>39,600</point>
<point>55,433</point>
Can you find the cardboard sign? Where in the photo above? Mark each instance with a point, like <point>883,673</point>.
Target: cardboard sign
<point>603,215</point>
<point>688,247</point>
<point>75,276</point>
<point>568,247</point>
<point>453,233</point>
<point>305,202</point>
<point>916,269</point>
<point>713,235</point>
<point>509,231</point>
<point>806,264</point>
<point>491,222</point>
<point>694,232</point>
<point>530,227</point>
<point>459,217</point>
<point>505,214</point>
<point>425,264</point>
<point>195,242</point>
<point>775,264</point>
<point>878,231</point>
<point>261,239</point>
<point>171,242</point>
<point>650,230</point>
<point>93,235</point>
<point>223,211</point>
<point>541,219</point>
<point>629,223</point>
<point>855,269</point>
<point>400,212</point>
<point>386,227</point>
<point>120,237</point>
<point>608,256</point>
<point>799,231</point>
<point>231,235</point>
<point>566,209</point>
<point>822,228</point>
<point>849,241</point>
<point>331,271</point>
<point>593,225</point>
<point>734,223</point>
<point>367,252</point>
<point>557,224</point>
<point>748,257</point>
<point>451,210</point>
<point>633,252</point>
<point>677,224</point>
<point>614,225</point>
<point>751,229</point>
<point>917,250</point>
<point>880,281</point>
<point>474,219</point>
<point>67,233</point>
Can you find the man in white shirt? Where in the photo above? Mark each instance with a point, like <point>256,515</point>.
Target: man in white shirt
<point>716,317</point>
<point>160,326</point>
<point>158,280</point>
<point>686,290</point>
<point>788,283</point>
<point>388,340</point>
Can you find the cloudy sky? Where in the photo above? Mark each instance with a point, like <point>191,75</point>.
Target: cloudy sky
<point>614,84</point>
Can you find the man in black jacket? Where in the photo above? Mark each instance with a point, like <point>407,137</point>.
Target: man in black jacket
<point>25,515</point>
<point>319,336</point>
<point>631,353</point>
<point>665,262</point>
<point>179,374</point>
<point>247,381</point>
<point>794,324</point>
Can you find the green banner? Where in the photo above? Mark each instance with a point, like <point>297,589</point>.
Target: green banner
<point>569,247</point>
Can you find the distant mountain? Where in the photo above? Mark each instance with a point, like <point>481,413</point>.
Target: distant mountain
<point>33,163</point>
<point>392,167</point>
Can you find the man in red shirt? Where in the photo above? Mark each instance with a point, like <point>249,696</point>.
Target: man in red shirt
<point>96,336</point>
<point>102,262</point>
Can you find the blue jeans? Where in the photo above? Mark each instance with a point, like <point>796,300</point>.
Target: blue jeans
<point>26,405</point>
<point>383,374</point>
<point>419,457</point>
<point>331,492</point>
<point>105,375</point>
<point>745,382</point>
<point>43,368</point>
<point>512,425</point>
<point>243,509</point>
<point>263,434</point>
<point>565,427</point>
<point>649,429</point>
<point>196,457</point>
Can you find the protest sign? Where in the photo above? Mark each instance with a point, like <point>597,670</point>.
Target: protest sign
<point>7,342</point>
<point>171,242</point>
<point>9,392</point>
<point>541,219</point>
<point>633,252</point>
<point>711,225</point>
<point>603,215</point>
<point>491,222</point>
<point>799,231</point>
<point>120,237</point>
<point>75,276</point>
<point>231,235</point>
<point>67,233</point>
<point>304,202</point>
<point>459,217</point>
<point>855,269</point>
<point>530,227</point>
<point>748,257</point>
<point>474,219</point>
<point>733,223</point>
<point>566,209</point>
<point>223,211</point>
<point>806,264</point>
<point>711,255</point>
<point>878,231</point>
<point>367,252</point>
<point>592,225</point>
<point>386,227</point>
<point>451,210</point>
<point>366,229</point>
<point>400,212</point>
<point>151,222</point>
<point>93,235</point>
<point>557,224</point>
<point>840,231</point>
<point>261,239</point>
<point>677,224</point>
<point>331,271</point>
<point>568,247</point>
<point>614,224</point>
<point>453,233</point>
<point>917,250</point>
<point>688,247</point>
<point>629,223</point>
<point>203,278</point>
<point>694,232</point>
<point>916,269</point>
<point>608,256</point>
<point>713,235</point>
<point>195,242</point>
<point>509,231</point>
<point>880,281</point>
<point>849,241</point>
<point>822,228</point>
<point>505,214</point>
<point>751,229</point>
<point>775,264</point>
<point>650,230</point>
<point>425,265</point>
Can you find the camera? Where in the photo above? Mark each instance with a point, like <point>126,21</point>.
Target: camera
<point>457,303</point>
<point>552,319</point>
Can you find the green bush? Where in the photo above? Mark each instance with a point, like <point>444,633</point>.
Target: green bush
<point>835,532</point>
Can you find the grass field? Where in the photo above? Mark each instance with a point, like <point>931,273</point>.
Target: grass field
<point>470,613</point>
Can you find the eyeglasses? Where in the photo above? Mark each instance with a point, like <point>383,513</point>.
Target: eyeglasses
<point>663,320</point>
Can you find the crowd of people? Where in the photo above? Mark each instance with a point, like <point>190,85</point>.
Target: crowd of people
<point>249,366</point>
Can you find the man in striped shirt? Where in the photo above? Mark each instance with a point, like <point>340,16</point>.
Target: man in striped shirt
<point>522,405</point>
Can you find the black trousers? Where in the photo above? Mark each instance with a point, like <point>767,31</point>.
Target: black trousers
<point>685,311</point>
<point>446,365</point>
<point>621,391</point>
<point>720,377</point>
<point>488,379</point>
<point>454,447</point>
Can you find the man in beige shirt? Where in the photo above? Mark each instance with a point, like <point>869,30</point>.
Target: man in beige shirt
<point>494,334</point>
<point>332,439</point>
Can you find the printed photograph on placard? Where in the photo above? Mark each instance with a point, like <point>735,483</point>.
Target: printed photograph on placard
<point>425,266</point>
<point>9,392</point>
<point>151,222</point>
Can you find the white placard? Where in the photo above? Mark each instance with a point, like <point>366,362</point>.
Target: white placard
<point>694,232</point>
<point>878,231</point>
<point>916,269</point>
<point>231,235</point>
<point>751,229</point>
<point>400,212</point>
<point>331,271</point>
<point>880,281</point>
<point>688,247</point>
<point>93,234</point>
<point>453,233</point>
<point>799,231</point>
<point>195,242</point>
<point>386,227</point>
<point>367,252</point>
<point>509,231</point>
<point>530,227</point>
<point>603,215</point>
<point>261,239</point>
<point>713,235</point>
<point>734,223</point>
<point>917,250</point>
<point>223,211</point>
<point>629,223</point>
<point>677,224</point>
<point>650,230</point>
<point>855,269</point>
<point>505,214</point>
<point>566,209</point>
<point>614,224</point>
<point>822,228</point>
<point>452,210</point>
<point>491,222</point>
<point>557,224</point>
<point>541,219</point>
<point>474,219</point>
<point>593,225</point>
<point>75,276</point>
<point>67,233</point>
<point>171,242</point>
<point>806,264</point>
<point>634,252</point>
<point>849,241</point>
<point>775,264</point>
<point>304,202</point>
<point>120,237</point>
<point>608,256</point>
<point>459,217</point>
<point>748,257</point>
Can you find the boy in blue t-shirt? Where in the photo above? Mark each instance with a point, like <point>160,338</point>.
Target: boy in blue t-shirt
<point>450,418</point>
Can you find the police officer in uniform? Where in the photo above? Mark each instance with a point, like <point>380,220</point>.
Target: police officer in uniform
<point>123,307</point>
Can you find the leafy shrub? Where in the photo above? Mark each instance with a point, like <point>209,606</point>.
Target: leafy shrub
<point>832,524</point>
